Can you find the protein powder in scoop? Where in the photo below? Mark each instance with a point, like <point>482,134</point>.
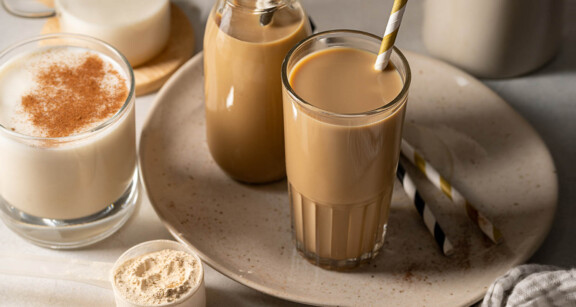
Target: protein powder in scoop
<point>158,278</point>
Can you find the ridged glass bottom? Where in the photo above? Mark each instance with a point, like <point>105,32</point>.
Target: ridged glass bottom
<point>338,237</point>
<point>73,233</point>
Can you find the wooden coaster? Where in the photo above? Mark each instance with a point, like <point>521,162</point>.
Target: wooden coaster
<point>151,75</point>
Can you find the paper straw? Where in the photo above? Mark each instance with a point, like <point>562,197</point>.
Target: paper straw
<point>444,185</point>
<point>390,34</point>
<point>424,210</point>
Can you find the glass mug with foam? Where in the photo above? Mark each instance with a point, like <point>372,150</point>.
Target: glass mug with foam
<point>68,168</point>
<point>343,126</point>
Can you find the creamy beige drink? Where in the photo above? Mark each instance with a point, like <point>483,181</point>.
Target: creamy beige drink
<point>242,62</point>
<point>343,131</point>
<point>67,142</point>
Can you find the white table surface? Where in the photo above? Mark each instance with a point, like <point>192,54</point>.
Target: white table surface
<point>546,98</point>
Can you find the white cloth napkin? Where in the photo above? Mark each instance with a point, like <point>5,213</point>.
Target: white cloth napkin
<point>533,285</point>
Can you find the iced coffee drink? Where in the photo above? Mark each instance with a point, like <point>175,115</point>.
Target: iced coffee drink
<point>244,46</point>
<point>343,126</point>
<point>67,140</point>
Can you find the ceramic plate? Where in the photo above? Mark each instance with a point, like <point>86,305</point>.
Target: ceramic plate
<point>473,137</point>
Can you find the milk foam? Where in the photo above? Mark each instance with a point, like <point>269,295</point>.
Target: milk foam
<point>18,78</point>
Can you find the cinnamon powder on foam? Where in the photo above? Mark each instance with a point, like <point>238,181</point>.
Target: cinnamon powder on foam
<point>69,98</point>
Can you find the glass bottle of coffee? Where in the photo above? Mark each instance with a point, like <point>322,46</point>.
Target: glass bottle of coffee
<point>244,45</point>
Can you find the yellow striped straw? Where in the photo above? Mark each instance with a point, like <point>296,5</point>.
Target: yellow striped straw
<point>447,189</point>
<point>390,34</point>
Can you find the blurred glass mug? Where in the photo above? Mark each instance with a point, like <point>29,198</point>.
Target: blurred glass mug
<point>493,38</point>
<point>138,29</point>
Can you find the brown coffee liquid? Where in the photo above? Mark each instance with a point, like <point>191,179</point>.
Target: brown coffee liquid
<point>341,176</point>
<point>242,63</point>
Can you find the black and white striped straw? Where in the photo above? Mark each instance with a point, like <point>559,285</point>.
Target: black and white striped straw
<point>444,185</point>
<point>424,210</point>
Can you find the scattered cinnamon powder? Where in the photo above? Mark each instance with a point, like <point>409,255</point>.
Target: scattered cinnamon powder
<point>68,98</point>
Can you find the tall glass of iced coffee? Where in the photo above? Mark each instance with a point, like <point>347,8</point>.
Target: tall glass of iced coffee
<point>343,125</point>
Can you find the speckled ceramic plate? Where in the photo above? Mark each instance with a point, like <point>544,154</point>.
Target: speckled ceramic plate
<point>472,136</point>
